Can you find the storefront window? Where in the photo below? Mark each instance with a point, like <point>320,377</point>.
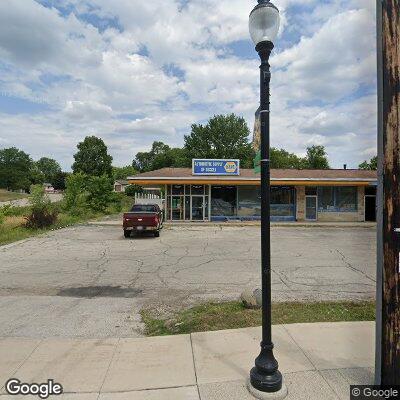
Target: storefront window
<point>282,201</point>
<point>178,189</point>
<point>249,198</point>
<point>223,201</point>
<point>197,190</point>
<point>337,199</point>
<point>187,208</point>
<point>326,199</point>
<point>177,207</point>
<point>249,201</point>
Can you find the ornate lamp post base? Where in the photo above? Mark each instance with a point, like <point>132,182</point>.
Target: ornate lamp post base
<point>279,395</point>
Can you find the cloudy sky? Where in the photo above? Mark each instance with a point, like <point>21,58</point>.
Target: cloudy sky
<point>134,71</point>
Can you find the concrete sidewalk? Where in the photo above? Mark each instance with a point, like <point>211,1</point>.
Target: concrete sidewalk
<point>319,361</point>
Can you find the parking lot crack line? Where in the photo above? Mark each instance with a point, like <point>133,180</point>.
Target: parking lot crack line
<point>354,268</point>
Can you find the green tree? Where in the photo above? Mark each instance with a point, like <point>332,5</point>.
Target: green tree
<point>15,169</point>
<point>49,168</point>
<point>316,158</point>
<point>224,136</point>
<point>161,156</point>
<point>123,172</point>
<point>131,190</point>
<point>281,158</point>
<point>36,176</point>
<point>99,190</point>
<point>92,158</point>
<point>180,158</point>
<point>85,192</point>
<point>75,196</point>
<point>59,180</point>
<point>371,165</point>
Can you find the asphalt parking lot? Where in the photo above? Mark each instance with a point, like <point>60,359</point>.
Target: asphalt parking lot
<point>88,281</point>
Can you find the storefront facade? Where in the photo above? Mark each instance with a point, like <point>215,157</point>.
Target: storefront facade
<point>296,195</point>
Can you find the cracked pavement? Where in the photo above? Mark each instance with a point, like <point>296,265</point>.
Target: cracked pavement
<point>88,281</point>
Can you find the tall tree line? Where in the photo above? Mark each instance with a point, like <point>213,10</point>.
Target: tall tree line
<point>224,136</point>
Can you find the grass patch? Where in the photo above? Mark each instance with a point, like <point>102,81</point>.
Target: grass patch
<point>232,315</point>
<point>13,229</point>
<point>5,195</point>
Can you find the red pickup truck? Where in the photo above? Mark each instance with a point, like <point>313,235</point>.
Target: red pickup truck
<point>143,218</point>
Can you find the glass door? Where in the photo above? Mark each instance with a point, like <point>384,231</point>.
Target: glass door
<point>197,208</point>
<point>311,208</point>
<point>177,208</point>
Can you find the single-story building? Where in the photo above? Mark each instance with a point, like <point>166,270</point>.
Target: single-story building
<point>120,185</point>
<point>48,188</point>
<point>210,194</point>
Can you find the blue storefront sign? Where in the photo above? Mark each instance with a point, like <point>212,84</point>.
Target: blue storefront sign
<point>215,167</point>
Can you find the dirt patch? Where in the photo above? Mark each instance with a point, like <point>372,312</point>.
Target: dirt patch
<point>91,292</point>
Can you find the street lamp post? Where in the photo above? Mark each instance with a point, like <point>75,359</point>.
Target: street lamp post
<point>264,26</point>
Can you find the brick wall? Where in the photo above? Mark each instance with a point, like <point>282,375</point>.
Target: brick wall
<point>300,203</point>
<point>361,204</point>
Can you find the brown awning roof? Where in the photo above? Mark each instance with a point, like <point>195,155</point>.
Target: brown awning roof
<point>249,175</point>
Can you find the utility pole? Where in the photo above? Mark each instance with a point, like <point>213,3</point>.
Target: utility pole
<point>388,255</point>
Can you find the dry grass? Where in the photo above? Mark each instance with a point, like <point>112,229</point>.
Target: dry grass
<point>13,222</point>
<point>8,196</point>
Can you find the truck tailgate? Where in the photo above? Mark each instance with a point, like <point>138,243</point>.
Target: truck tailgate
<point>140,219</point>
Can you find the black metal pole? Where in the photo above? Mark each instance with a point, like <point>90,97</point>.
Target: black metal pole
<point>265,376</point>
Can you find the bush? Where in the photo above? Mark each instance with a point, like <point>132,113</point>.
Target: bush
<point>131,190</point>
<point>117,201</point>
<point>75,196</point>
<point>90,193</point>
<point>100,193</point>
<point>42,213</point>
<point>40,219</point>
<point>2,217</point>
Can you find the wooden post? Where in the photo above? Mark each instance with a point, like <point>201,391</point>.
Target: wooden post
<point>388,280</point>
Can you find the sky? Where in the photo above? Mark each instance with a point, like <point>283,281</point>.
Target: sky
<point>134,71</point>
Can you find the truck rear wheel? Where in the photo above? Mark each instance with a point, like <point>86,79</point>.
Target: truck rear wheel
<point>127,234</point>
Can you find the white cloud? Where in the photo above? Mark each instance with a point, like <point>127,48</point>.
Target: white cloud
<point>332,63</point>
<point>113,82</point>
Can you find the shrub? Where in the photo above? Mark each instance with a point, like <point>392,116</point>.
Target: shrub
<point>100,193</point>
<point>89,193</point>
<point>42,213</point>
<point>131,190</point>
<point>75,196</point>
<point>40,219</point>
<point>2,217</point>
<point>117,200</point>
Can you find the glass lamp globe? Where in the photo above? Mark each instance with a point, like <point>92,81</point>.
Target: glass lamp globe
<point>264,22</point>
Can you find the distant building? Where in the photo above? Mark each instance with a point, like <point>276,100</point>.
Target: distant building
<point>48,188</point>
<point>120,185</point>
